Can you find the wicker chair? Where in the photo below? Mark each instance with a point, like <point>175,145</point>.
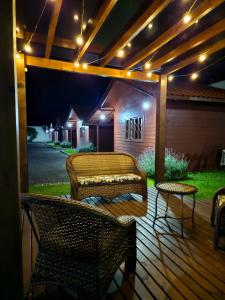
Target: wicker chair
<point>80,246</point>
<point>218,215</point>
<point>105,174</point>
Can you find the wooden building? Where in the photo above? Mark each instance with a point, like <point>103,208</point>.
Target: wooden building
<point>195,117</point>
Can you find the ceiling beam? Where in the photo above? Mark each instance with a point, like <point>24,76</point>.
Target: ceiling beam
<point>150,13</point>
<point>203,9</point>
<point>52,27</point>
<point>194,58</point>
<point>197,40</point>
<point>90,70</point>
<point>103,13</point>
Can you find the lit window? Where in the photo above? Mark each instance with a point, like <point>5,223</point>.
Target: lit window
<point>134,129</point>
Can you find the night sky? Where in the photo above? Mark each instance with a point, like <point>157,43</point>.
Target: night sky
<point>50,93</point>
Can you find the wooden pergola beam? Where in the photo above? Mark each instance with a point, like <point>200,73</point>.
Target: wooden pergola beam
<point>203,9</point>
<point>150,13</point>
<point>190,44</point>
<point>52,27</point>
<point>91,70</point>
<point>194,58</point>
<point>103,13</point>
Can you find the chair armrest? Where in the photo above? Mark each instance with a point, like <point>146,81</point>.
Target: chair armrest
<point>220,191</point>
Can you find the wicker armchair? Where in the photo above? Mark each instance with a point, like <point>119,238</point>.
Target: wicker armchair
<point>105,174</point>
<point>218,214</point>
<point>80,246</point>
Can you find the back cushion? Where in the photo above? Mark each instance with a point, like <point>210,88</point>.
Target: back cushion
<point>100,164</point>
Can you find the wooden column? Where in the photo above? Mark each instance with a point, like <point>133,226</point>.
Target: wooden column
<point>21,81</point>
<point>10,228</point>
<point>160,141</point>
<point>97,133</point>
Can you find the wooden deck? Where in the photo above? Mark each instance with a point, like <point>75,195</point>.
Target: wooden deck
<point>168,267</point>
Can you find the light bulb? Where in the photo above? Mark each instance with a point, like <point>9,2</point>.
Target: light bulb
<point>76,64</point>
<point>147,65</point>
<point>26,70</point>
<point>102,117</point>
<point>187,18</point>
<point>79,40</point>
<point>170,78</point>
<point>84,26</point>
<point>194,76</point>
<point>129,45</point>
<point>17,29</point>
<point>121,53</point>
<point>17,55</point>
<point>150,25</point>
<point>128,73</point>
<point>90,21</point>
<point>202,57</point>
<point>28,48</point>
<point>149,74</point>
<point>85,65</point>
<point>76,17</point>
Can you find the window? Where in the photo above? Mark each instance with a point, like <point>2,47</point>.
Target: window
<point>134,129</point>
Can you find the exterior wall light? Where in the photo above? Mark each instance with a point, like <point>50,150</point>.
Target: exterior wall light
<point>146,105</point>
<point>102,117</point>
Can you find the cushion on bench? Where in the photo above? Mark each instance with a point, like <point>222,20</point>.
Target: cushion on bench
<point>107,179</point>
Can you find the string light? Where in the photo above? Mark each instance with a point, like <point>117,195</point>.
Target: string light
<point>147,65</point>
<point>17,29</point>
<point>79,40</point>
<point>76,17</point>
<point>27,48</point>
<point>170,78</point>
<point>187,18</point>
<point>102,117</point>
<point>150,25</point>
<point>121,53</point>
<point>84,26</point>
<point>129,45</point>
<point>26,70</point>
<point>149,74</point>
<point>90,21</point>
<point>17,55</point>
<point>85,65</point>
<point>194,76</point>
<point>128,73</point>
<point>76,64</point>
<point>202,57</point>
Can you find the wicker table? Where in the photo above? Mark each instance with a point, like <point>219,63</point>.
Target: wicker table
<point>177,189</point>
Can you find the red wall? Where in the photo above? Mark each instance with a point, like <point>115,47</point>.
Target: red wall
<point>193,128</point>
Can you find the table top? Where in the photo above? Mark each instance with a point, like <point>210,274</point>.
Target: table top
<point>176,188</point>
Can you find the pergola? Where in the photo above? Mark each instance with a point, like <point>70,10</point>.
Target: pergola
<point>178,44</point>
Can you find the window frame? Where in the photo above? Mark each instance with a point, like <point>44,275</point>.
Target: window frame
<point>130,129</point>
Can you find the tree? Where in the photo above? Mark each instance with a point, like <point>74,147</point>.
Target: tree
<point>31,133</point>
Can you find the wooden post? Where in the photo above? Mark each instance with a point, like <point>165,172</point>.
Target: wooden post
<point>160,141</point>
<point>97,133</point>
<point>10,229</point>
<point>21,81</point>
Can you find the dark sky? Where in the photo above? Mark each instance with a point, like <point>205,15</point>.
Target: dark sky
<point>50,93</point>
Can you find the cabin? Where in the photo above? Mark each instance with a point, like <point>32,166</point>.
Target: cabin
<point>195,119</point>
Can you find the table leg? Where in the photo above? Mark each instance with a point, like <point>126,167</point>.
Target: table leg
<point>167,202</point>
<point>156,202</point>
<point>193,210</point>
<point>182,216</point>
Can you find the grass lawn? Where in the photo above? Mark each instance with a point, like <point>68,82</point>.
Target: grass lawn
<point>206,182</point>
<point>69,151</point>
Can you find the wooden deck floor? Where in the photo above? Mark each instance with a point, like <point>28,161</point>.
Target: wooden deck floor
<point>168,267</point>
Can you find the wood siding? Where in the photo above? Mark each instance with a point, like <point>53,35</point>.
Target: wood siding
<point>196,129</point>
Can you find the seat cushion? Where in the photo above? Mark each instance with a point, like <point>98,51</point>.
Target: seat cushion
<point>221,200</point>
<point>108,179</point>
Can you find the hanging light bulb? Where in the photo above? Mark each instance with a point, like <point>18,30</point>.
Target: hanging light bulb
<point>147,65</point>
<point>28,48</point>
<point>26,70</point>
<point>187,18</point>
<point>90,21</point>
<point>149,74</point>
<point>129,45</point>
<point>76,17</point>
<point>121,53</point>
<point>194,76</point>
<point>79,40</point>
<point>170,78</point>
<point>202,57</point>
<point>85,65</point>
<point>150,25</point>
<point>84,26</point>
<point>17,29</point>
<point>76,64</point>
<point>17,55</point>
<point>129,73</point>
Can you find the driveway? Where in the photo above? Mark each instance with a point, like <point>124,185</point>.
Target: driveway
<point>46,165</point>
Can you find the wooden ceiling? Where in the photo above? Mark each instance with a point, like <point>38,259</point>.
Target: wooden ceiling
<point>172,45</point>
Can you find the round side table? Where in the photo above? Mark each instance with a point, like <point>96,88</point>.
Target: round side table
<point>180,189</point>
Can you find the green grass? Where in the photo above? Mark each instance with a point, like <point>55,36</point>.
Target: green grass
<point>69,151</point>
<point>206,182</point>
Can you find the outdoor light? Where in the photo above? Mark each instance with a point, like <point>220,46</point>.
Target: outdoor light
<point>102,117</point>
<point>51,129</point>
<point>17,29</point>
<point>79,40</point>
<point>194,76</point>
<point>26,70</point>
<point>121,53</point>
<point>196,22</point>
<point>187,18</point>
<point>47,131</point>
<point>76,17</point>
<point>17,55</point>
<point>146,105</point>
<point>84,26</point>
<point>202,57</point>
<point>150,25</point>
<point>90,21</point>
<point>69,125</point>
<point>76,64</point>
<point>128,73</point>
<point>147,65</point>
<point>129,45</point>
<point>149,74</point>
<point>85,65</point>
<point>28,48</point>
<point>170,78</point>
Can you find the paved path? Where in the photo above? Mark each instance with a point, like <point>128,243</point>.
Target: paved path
<point>46,165</point>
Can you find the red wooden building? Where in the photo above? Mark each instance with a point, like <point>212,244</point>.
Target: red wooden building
<point>195,119</point>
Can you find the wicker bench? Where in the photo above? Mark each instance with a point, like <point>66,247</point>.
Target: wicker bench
<point>105,174</point>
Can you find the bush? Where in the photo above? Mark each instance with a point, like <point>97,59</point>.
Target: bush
<point>56,143</point>
<point>66,144</point>
<point>176,165</point>
<point>90,147</point>
<point>31,134</point>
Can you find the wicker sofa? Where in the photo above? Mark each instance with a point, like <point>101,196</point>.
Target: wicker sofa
<point>105,174</point>
<point>80,246</point>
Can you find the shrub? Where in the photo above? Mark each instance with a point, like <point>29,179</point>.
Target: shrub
<point>65,144</point>
<point>90,147</point>
<point>56,143</point>
<point>31,134</point>
<point>176,165</point>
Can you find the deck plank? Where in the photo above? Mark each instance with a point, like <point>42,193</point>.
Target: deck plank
<point>168,267</point>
